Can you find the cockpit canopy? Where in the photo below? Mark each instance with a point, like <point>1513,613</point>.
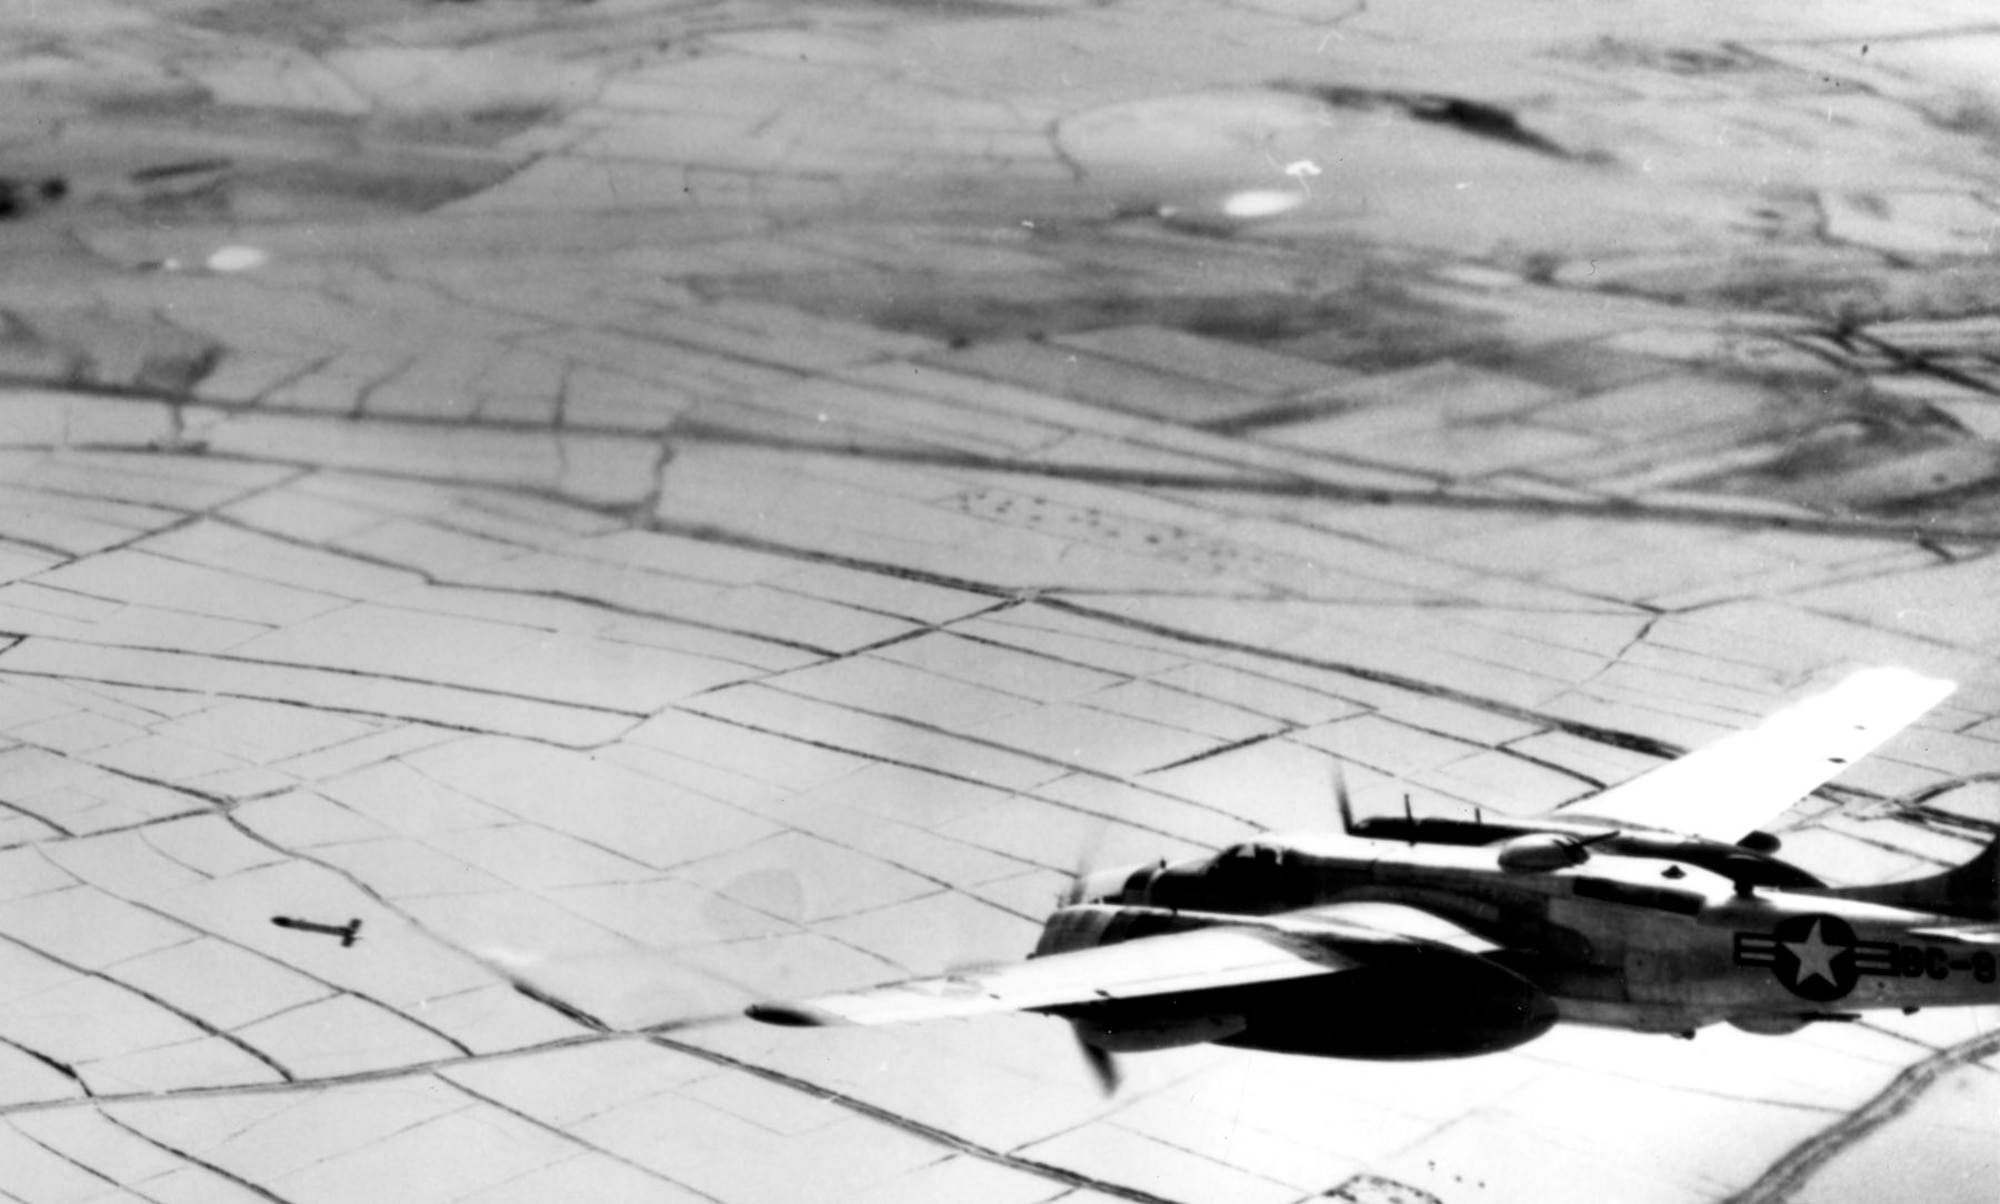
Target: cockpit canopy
<point>1247,854</point>
<point>1251,875</point>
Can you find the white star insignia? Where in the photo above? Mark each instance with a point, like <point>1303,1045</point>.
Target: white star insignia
<point>1815,957</point>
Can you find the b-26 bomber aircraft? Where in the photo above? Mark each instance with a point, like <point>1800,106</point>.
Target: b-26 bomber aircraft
<point>1655,906</point>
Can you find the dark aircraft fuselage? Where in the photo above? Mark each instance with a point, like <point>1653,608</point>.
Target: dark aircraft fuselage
<point>1635,942</point>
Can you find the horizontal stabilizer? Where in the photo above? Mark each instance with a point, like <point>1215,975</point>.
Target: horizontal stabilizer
<point>1970,934</point>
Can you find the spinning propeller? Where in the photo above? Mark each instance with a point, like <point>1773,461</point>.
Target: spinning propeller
<point>1103,1066</point>
<point>1341,798</point>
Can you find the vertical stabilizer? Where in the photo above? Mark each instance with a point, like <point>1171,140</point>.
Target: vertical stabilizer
<point>1972,891</point>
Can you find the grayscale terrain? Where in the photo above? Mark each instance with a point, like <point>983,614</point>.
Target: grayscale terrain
<point>652,506</point>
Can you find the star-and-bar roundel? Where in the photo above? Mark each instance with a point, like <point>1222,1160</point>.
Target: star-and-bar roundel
<point>1816,956</point>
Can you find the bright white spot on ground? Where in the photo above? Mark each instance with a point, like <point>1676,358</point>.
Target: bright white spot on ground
<point>1261,203</point>
<point>237,259</point>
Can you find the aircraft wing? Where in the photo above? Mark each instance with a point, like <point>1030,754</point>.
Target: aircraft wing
<point>1726,790</point>
<point>1236,951</point>
<point>1971,934</point>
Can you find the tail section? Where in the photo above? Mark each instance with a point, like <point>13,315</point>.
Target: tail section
<point>1972,891</point>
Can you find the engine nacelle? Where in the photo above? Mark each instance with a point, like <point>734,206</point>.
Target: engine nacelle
<point>1140,1036</point>
<point>1761,842</point>
<point>1769,1026</point>
<point>1433,1005</point>
<point>1408,1005</point>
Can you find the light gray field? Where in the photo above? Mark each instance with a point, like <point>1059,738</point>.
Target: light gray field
<point>649,507</point>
